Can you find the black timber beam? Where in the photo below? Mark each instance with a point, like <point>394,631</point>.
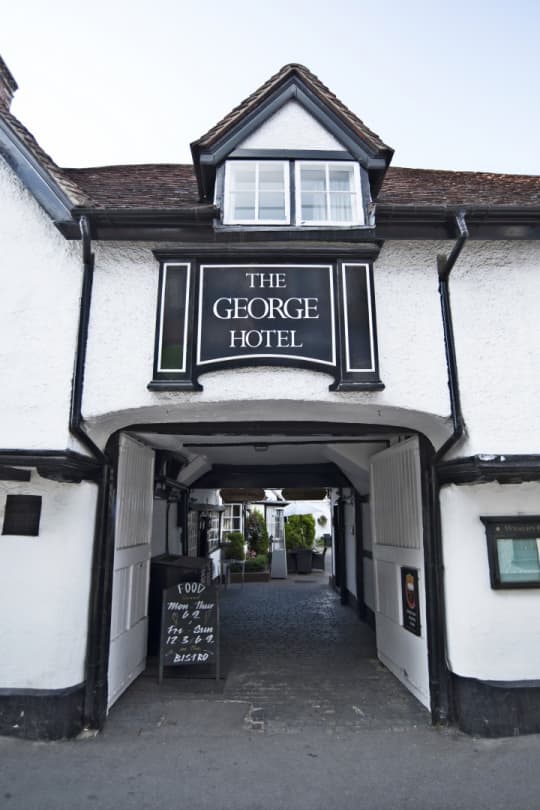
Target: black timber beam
<point>65,466</point>
<point>14,474</point>
<point>482,469</point>
<point>258,428</point>
<point>294,475</point>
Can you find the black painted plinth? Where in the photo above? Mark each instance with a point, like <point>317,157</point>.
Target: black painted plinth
<point>42,714</point>
<point>487,709</point>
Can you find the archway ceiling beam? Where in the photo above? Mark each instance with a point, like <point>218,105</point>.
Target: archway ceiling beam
<point>294,475</point>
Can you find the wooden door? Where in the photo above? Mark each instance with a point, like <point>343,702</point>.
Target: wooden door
<point>396,514</point>
<point>133,530</point>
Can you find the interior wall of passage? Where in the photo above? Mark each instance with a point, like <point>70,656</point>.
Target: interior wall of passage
<point>350,541</point>
<point>369,572</point>
<point>39,308</point>
<point>492,635</point>
<point>45,587</point>
<point>162,515</point>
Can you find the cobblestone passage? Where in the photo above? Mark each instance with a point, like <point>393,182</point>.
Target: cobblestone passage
<point>294,652</point>
<point>293,658</point>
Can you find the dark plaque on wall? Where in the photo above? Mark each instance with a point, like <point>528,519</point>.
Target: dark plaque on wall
<point>410,600</point>
<point>189,626</point>
<point>314,315</point>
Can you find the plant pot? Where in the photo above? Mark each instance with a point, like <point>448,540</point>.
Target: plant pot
<point>251,576</point>
<point>303,561</point>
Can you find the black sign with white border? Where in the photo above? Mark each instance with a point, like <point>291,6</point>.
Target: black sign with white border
<point>304,314</point>
<point>269,311</point>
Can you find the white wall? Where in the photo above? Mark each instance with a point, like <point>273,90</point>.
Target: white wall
<point>492,635</point>
<point>291,128</point>
<point>40,278</point>
<point>45,586</point>
<point>495,289</point>
<point>121,345</point>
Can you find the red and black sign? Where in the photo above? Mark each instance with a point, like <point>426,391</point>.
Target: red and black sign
<point>410,597</point>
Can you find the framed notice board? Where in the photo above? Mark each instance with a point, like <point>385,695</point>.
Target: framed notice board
<point>410,598</point>
<point>189,627</point>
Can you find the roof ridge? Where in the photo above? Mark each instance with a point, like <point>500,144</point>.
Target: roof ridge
<point>314,83</point>
<point>460,171</point>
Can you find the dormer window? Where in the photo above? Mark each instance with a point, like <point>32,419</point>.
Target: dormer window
<point>257,192</point>
<point>324,193</point>
<point>328,194</point>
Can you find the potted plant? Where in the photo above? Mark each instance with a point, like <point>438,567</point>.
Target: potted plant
<point>256,533</point>
<point>235,546</point>
<point>299,537</point>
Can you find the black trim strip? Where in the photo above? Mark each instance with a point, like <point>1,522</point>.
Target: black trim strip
<point>14,474</point>
<point>513,469</point>
<point>289,154</point>
<point>494,709</point>
<point>282,429</point>
<point>34,177</point>
<point>42,714</point>
<point>58,465</point>
<point>362,498</point>
<point>285,251</point>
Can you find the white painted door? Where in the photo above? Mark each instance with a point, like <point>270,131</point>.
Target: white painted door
<point>396,515</point>
<point>133,532</point>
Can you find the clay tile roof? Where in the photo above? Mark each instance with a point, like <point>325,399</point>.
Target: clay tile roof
<point>66,184</point>
<point>314,84</point>
<point>169,186</point>
<point>6,79</point>
<point>418,187</point>
<point>164,185</point>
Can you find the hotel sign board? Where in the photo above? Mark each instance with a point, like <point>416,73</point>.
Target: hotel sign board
<point>266,312</point>
<point>306,314</point>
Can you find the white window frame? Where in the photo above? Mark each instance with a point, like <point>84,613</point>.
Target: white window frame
<point>357,201</point>
<point>229,519</point>
<point>228,218</point>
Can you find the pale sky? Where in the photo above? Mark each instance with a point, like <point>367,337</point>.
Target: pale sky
<point>449,85</point>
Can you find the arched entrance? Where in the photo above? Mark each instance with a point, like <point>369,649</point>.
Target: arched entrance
<point>383,538</point>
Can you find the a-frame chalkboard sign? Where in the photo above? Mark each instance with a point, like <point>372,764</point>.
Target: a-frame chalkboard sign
<point>189,627</point>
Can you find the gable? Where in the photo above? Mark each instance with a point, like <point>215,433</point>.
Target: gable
<point>292,98</point>
<point>291,127</point>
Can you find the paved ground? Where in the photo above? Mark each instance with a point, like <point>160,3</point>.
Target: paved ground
<point>306,718</point>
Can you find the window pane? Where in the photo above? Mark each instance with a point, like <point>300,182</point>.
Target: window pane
<point>243,205</point>
<point>519,559</point>
<point>271,177</point>
<point>341,207</point>
<point>340,179</point>
<point>272,205</point>
<point>243,178</point>
<point>313,179</point>
<point>313,207</point>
